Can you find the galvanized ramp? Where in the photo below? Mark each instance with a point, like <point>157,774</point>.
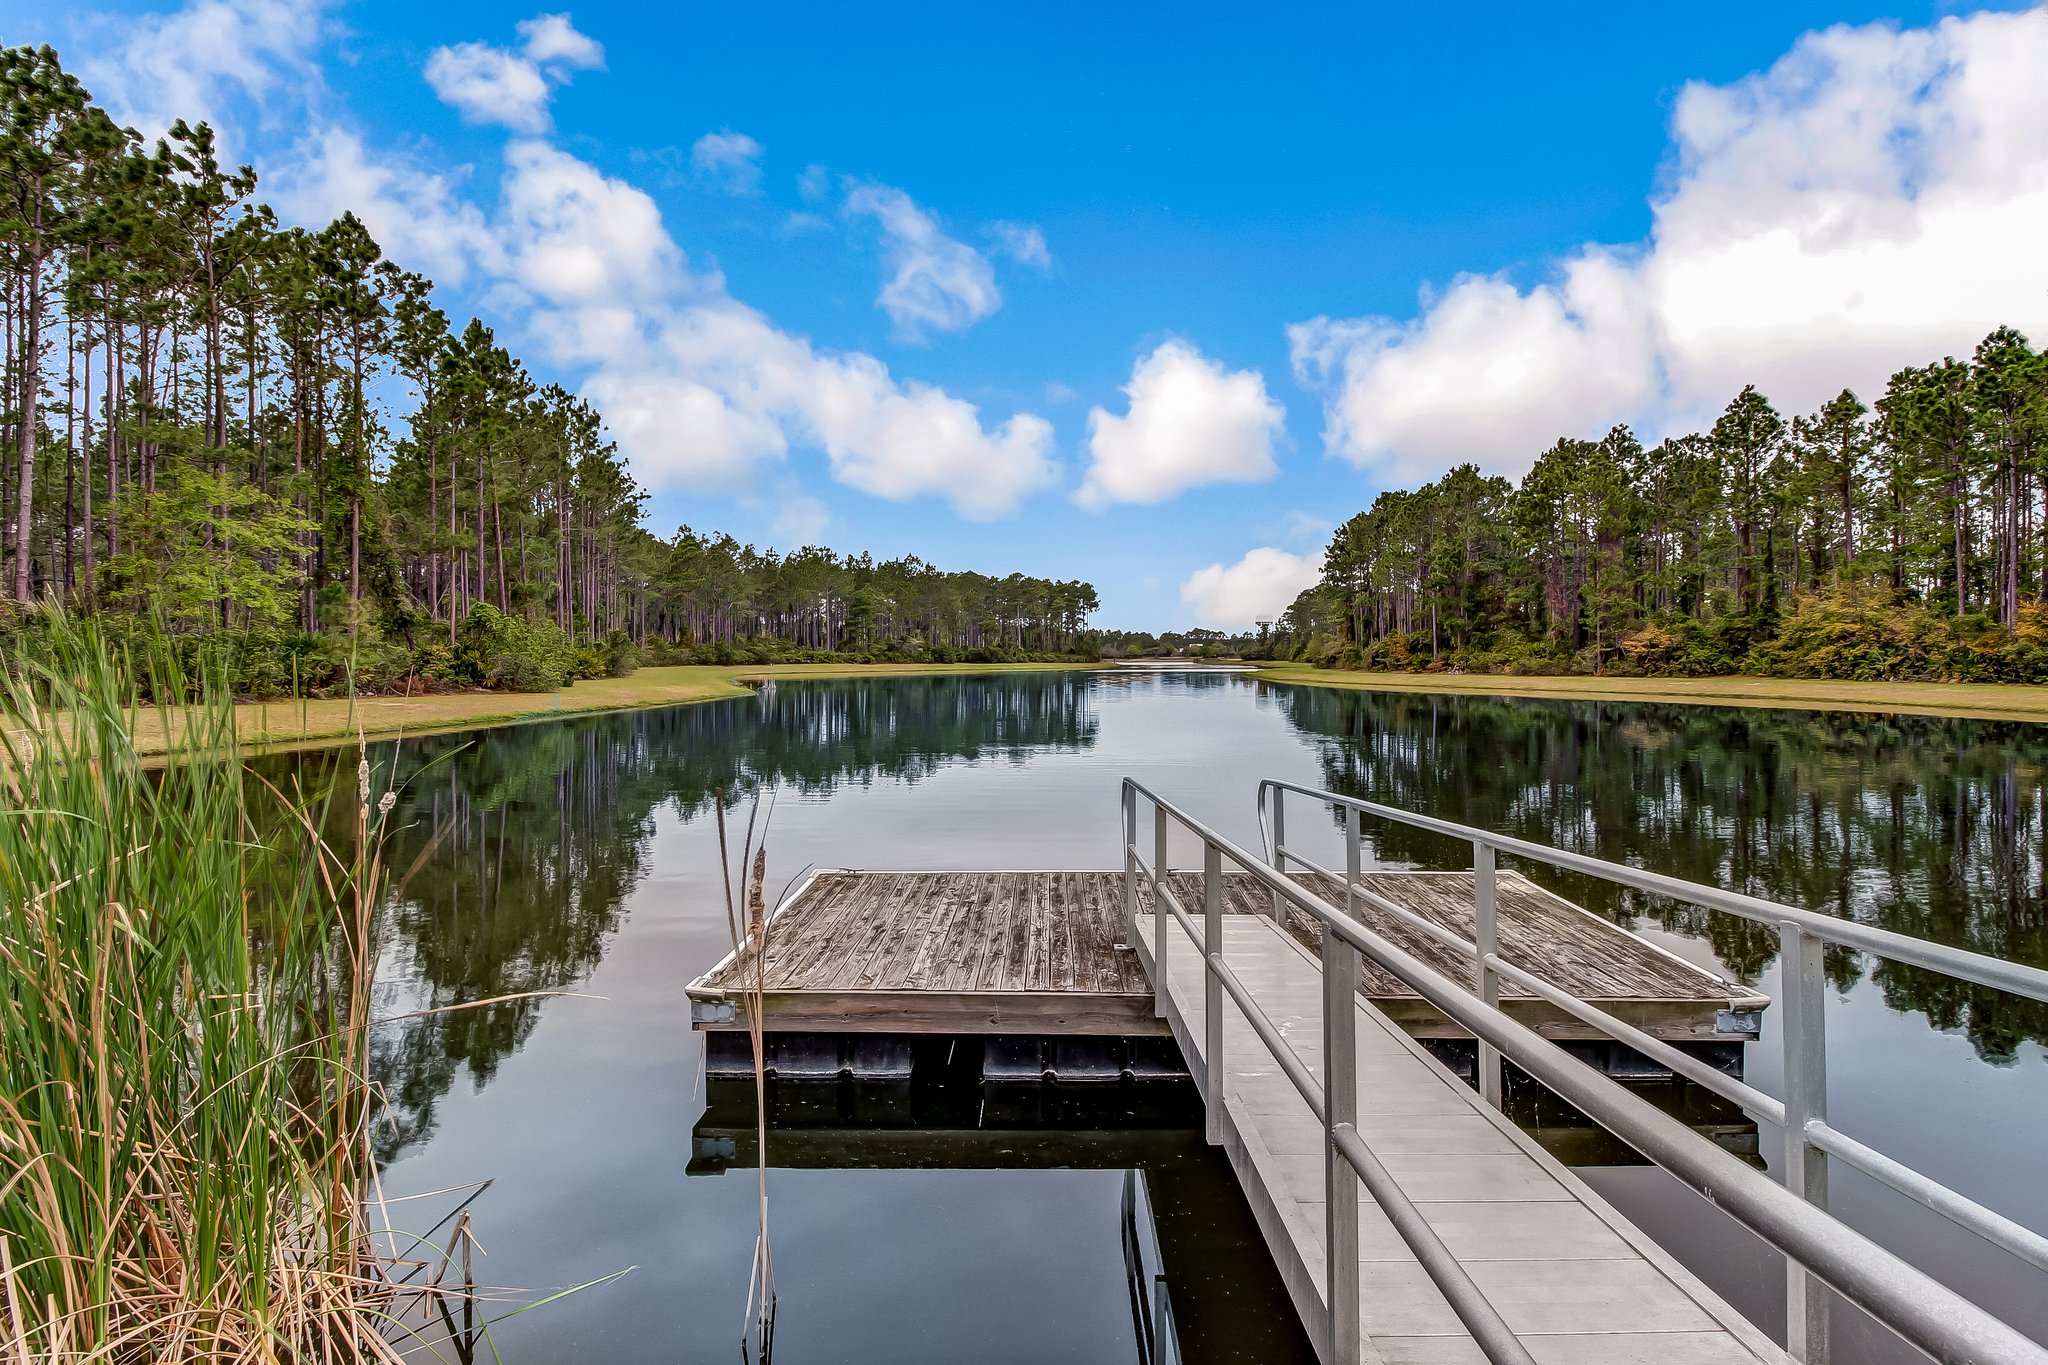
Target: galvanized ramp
<point>1498,1253</point>
<point>1570,1276</point>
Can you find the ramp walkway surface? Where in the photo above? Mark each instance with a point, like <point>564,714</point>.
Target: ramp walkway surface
<point>1575,1280</point>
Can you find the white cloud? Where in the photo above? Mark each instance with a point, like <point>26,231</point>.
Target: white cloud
<point>416,215</point>
<point>1023,243</point>
<point>157,68</point>
<point>489,84</point>
<point>702,390</point>
<point>577,238</point>
<point>1190,423</point>
<point>728,161</point>
<point>1873,200</point>
<point>1482,371</point>
<point>552,39</point>
<point>713,389</point>
<point>1264,583</point>
<point>937,282</point>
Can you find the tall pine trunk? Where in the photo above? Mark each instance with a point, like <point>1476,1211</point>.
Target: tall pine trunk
<point>30,362</point>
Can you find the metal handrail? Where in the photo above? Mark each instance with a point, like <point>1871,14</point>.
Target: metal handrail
<point>1922,1311</point>
<point>2019,979</point>
<point>1720,1082</point>
<point>1811,1140</point>
<point>1335,1105</point>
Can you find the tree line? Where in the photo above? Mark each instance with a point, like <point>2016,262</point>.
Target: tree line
<point>273,433</point>
<point>1908,540</point>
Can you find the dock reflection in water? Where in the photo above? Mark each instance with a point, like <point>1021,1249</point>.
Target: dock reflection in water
<point>1191,1241</point>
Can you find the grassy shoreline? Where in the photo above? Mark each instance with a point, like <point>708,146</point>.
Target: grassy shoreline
<point>290,724</point>
<point>1970,701</point>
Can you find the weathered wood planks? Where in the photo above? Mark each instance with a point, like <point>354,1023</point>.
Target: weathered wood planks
<point>995,952</point>
<point>1594,959</point>
<point>945,952</point>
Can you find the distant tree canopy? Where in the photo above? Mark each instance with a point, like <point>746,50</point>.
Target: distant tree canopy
<point>1908,542</point>
<point>197,424</point>
<point>1197,642</point>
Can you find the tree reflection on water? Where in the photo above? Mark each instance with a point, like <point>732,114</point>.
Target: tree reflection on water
<point>1926,826</point>
<point>535,835</point>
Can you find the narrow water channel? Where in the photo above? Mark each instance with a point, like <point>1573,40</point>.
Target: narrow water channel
<point>578,857</point>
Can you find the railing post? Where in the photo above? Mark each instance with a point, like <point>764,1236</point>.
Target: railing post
<point>1279,855</point>
<point>1804,986</point>
<point>1212,988</point>
<point>1130,814</point>
<point>1159,916</point>
<point>1354,861</point>
<point>1486,942</point>
<point>1340,1106</point>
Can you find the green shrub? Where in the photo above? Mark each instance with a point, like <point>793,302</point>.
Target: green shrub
<point>1862,635</point>
<point>621,655</point>
<point>437,665</point>
<point>512,653</point>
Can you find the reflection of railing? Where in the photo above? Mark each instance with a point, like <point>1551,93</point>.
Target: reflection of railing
<point>1802,1115</point>
<point>1819,1249</point>
<point>1151,1307</point>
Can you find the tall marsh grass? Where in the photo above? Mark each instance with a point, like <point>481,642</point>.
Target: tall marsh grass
<point>184,992</point>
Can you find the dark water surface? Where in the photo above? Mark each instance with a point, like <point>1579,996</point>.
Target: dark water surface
<point>579,856</point>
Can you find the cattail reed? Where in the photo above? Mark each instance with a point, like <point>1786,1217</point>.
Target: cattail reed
<point>184,1010</point>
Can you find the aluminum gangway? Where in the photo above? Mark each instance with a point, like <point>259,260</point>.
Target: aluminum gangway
<point>1469,1242</point>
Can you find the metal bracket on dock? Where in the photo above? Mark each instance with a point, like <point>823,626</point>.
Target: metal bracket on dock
<point>713,1012</point>
<point>1739,1021</point>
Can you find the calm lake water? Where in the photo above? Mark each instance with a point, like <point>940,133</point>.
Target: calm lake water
<point>579,856</point>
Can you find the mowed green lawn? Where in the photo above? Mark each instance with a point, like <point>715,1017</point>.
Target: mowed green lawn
<point>284,723</point>
<point>1987,701</point>
<point>299,722</point>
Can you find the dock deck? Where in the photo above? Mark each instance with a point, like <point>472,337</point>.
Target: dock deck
<point>1044,953</point>
<point>942,952</point>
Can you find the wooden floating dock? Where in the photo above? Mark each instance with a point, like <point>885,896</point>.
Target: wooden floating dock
<point>1029,953</point>
<point>1044,954</point>
<point>1639,983</point>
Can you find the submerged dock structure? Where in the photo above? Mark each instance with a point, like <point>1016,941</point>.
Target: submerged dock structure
<point>1315,1010</point>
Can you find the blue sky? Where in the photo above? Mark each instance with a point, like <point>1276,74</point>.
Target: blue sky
<point>1148,298</point>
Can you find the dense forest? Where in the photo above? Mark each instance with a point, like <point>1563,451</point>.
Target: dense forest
<point>1905,542</point>
<point>272,438</point>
